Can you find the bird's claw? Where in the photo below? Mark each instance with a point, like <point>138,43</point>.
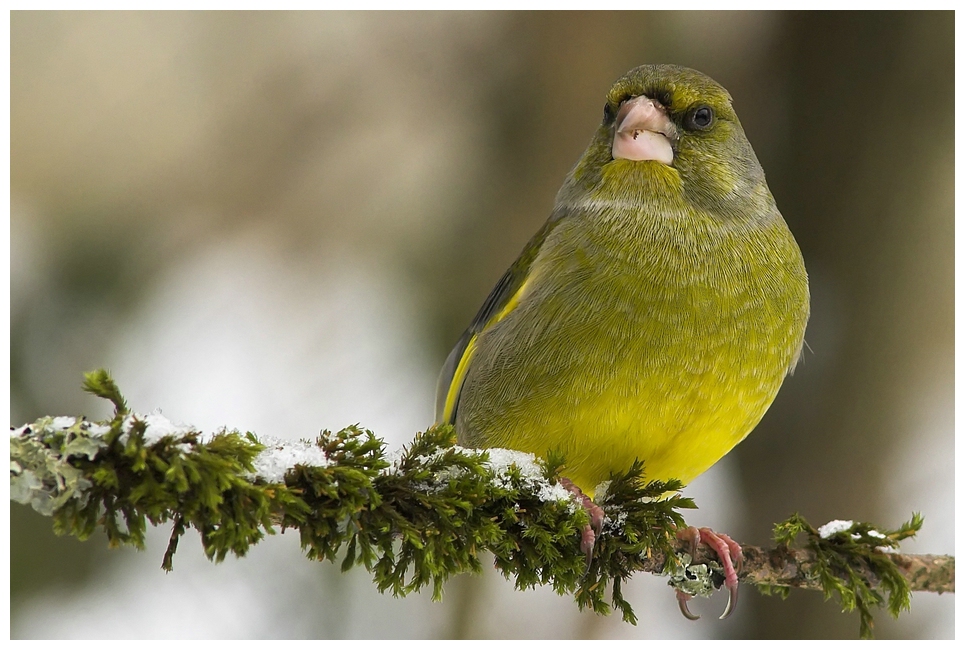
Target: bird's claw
<point>590,532</point>
<point>731,601</point>
<point>682,599</point>
<point>728,552</point>
<point>587,542</point>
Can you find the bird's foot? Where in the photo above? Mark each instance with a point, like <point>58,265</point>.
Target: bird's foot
<point>728,552</point>
<point>592,530</point>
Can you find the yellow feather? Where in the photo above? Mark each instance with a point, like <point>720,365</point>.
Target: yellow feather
<point>457,379</point>
<point>460,374</point>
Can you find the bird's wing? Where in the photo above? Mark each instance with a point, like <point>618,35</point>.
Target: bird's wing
<point>501,300</point>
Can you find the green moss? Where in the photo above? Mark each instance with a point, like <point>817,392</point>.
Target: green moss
<point>412,523</point>
<point>852,565</point>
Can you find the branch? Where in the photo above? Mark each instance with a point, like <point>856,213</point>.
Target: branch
<point>423,514</point>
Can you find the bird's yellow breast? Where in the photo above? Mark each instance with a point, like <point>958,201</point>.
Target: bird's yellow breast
<point>668,348</point>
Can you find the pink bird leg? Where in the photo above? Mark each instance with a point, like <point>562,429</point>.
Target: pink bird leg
<point>728,552</point>
<point>591,531</point>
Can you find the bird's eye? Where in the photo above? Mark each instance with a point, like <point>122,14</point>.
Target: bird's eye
<point>700,118</point>
<point>607,112</point>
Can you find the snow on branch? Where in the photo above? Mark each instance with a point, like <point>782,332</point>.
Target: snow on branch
<point>423,514</point>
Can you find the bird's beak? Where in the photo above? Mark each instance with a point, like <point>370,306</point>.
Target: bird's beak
<point>643,131</point>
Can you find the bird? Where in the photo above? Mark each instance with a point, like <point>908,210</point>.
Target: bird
<point>654,315</point>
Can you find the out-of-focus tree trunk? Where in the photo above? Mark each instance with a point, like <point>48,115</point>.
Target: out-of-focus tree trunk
<point>867,187</point>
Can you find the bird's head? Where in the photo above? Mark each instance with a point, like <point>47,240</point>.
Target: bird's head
<point>669,133</point>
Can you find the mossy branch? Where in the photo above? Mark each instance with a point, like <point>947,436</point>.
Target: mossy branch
<point>422,515</point>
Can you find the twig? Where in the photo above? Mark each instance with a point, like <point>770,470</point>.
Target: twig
<point>425,514</point>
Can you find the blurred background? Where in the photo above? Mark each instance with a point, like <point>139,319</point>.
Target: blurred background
<point>281,222</point>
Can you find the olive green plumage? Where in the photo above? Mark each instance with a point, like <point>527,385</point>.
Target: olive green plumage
<point>654,315</point>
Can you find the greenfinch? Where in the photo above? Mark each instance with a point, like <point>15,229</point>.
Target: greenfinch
<point>655,314</point>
